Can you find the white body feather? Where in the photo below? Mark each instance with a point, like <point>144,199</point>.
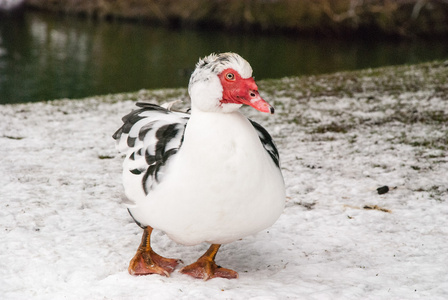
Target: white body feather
<point>221,186</point>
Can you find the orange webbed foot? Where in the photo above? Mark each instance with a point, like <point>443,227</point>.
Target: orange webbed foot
<point>205,267</point>
<point>145,263</point>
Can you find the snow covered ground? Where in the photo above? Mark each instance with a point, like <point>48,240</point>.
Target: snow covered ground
<point>65,234</point>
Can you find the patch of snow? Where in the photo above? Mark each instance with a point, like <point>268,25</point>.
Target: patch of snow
<point>66,235</point>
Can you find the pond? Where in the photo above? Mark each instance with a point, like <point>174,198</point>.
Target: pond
<point>45,56</point>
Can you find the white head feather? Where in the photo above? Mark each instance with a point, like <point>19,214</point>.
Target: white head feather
<point>205,88</point>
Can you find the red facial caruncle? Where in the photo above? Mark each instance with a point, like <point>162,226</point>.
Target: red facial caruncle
<point>242,91</point>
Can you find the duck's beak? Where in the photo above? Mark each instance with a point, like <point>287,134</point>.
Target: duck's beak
<point>252,98</point>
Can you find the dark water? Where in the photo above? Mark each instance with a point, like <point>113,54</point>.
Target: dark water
<point>45,57</point>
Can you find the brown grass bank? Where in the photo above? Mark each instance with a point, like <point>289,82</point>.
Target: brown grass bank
<point>401,18</point>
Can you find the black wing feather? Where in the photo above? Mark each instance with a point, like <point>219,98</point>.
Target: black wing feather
<point>150,136</point>
<point>267,142</point>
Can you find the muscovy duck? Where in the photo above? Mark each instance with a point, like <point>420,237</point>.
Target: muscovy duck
<point>210,175</point>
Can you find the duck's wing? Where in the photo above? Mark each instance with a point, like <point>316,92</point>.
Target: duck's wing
<point>267,142</point>
<point>149,137</point>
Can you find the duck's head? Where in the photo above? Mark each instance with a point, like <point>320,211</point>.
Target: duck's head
<point>223,83</point>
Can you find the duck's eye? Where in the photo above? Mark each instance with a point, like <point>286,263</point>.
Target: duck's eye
<point>230,76</point>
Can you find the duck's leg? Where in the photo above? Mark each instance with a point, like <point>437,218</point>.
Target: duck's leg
<point>206,268</point>
<point>146,261</point>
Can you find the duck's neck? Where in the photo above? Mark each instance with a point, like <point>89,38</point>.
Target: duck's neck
<point>208,132</point>
<point>216,124</point>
